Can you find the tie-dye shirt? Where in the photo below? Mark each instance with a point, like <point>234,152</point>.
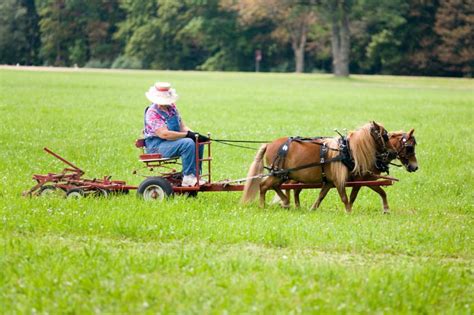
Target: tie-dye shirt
<point>155,120</point>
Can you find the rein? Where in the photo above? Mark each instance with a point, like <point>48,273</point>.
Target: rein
<point>383,156</point>
<point>237,145</point>
<point>230,142</point>
<point>284,172</point>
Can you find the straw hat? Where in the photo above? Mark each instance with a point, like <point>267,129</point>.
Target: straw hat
<point>162,94</point>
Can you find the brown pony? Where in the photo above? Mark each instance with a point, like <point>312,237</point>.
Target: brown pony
<point>365,143</point>
<point>404,146</point>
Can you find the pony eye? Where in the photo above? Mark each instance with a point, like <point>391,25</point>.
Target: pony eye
<point>410,150</point>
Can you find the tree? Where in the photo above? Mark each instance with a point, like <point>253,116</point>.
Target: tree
<point>77,31</point>
<point>19,32</point>
<point>376,31</point>
<point>58,27</point>
<point>163,34</point>
<point>455,27</point>
<point>337,14</point>
<point>292,21</point>
<point>419,40</point>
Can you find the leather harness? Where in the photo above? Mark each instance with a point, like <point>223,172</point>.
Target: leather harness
<point>382,161</point>
<point>276,168</point>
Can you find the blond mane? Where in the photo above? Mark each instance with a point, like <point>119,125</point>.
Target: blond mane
<point>363,149</point>
<point>338,170</point>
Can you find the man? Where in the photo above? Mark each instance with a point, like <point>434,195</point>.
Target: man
<point>166,133</point>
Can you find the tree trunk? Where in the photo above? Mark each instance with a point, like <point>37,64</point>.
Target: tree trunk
<point>335,45</point>
<point>345,43</point>
<point>340,40</point>
<point>299,45</point>
<point>299,59</point>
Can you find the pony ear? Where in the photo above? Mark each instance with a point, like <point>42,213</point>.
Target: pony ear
<point>410,133</point>
<point>375,124</point>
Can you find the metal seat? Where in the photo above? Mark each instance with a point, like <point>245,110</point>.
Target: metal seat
<point>155,157</point>
<point>152,157</point>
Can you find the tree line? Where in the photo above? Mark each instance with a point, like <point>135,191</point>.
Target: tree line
<point>403,37</point>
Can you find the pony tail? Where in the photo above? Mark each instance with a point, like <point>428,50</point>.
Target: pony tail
<point>252,186</point>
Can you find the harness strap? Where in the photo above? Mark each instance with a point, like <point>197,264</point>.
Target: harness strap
<point>322,154</point>
<point>282,172</point>
<point>344,156</point>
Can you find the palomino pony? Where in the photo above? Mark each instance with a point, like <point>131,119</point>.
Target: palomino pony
<point>316,161</point>
<point>404,146</point>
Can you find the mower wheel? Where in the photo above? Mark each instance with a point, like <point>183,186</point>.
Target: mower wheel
<point>100,192</point>
<point>75,193</point>
<point>50,191</point>
<point>155,188</point>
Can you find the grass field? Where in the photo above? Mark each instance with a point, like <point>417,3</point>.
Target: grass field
<point>210,254</point>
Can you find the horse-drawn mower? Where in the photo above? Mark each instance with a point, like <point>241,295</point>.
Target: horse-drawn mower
<point>162,181</point>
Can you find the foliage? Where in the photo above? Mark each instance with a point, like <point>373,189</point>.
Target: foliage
<point>375,32</point>
<point>19,32</point>
<point>166,28</point>
<point>74,31</point>
<point>455,26</point>
<point>294,23</point>
<point>96,63</point>
<point>369,36</point>
<point>209,254</point>
<point>124,62</point>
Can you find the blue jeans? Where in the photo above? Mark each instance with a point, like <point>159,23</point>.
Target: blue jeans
<point>184,147</point>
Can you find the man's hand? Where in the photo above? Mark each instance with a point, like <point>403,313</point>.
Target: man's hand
<point>192,135</point>
<point>202,138</point>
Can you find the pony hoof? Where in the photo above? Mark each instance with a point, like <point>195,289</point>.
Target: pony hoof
<point>386,212</point>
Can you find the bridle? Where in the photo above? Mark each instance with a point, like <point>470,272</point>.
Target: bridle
<point>384,156</point>
<point>380,138</point>
<point>406,149</point>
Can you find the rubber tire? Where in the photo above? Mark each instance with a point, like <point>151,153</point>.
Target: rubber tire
<point>155,185</point>
<point>50,190</point>
<point>75,193</point>
<point>101,193</point>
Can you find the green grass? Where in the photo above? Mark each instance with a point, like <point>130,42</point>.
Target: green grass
<point>210,254</point>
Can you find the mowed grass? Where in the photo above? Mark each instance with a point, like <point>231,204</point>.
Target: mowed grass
<point>210,254</point>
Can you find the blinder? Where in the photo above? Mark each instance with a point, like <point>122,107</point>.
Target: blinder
<point>381,138</point>
<point>407,149</point>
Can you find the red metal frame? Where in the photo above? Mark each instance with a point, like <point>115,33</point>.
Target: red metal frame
<point>71,178</point>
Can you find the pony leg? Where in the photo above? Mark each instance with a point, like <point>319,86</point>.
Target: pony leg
<point>277,199</point>
<point>383,195</point>
<point>264,186</point>
<point>262,196</point>
<point>270,182</point>
<point>324,191</point>
<point>342,193</point>
<point>297,197</point>
<point>354,193</point>
<point>285,201</point>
